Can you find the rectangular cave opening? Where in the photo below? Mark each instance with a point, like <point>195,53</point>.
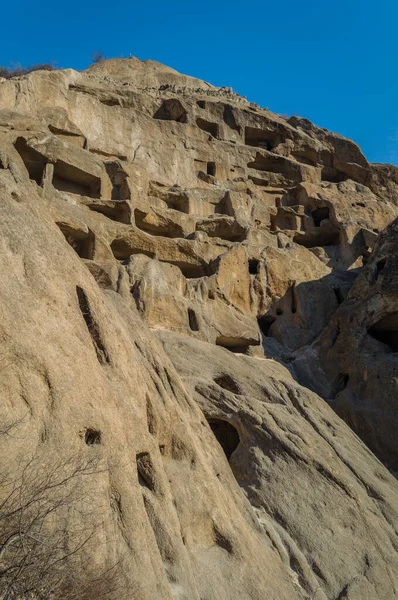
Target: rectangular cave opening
<point>68,178</point>
<point>320,214</point>
<point>211,168</point>
<point>253,266</point>
<point>172,110</point>
<point>34,162</point>
<point>329,237</point>
<point>235,345</point>
<point>177,200</point>
<point>92,326</point>
<point>118,211</point>
<point>122,249</point>
<point>269,164</point>
<point>332,175</point>
<point>81,242</point>
<point>193,320</point>
<point>190,271</point>
<point>258,181</point>
<point>261,138</point>
<point>305,157</point>
<point>208,127</point>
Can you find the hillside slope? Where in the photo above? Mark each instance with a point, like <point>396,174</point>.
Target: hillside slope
<point>189,286</point>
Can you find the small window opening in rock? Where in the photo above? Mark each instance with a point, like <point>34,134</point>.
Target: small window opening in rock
<point>279,311</point>
<point>265,323</point>
<point>208,127</point>
<point>211,168</point>
<point>380,265</point>
<point>254,266</point>
<point>34,162</point>
<point>338,294</point>
<point>92,437</point>
<point>294,299</point>
<point>201,103</point>
<point>227,435</point>
<point>386,331</point>
<point>340,383</point>
<point>92,326</point>
<point>193,321</point>
<point>319,215</point>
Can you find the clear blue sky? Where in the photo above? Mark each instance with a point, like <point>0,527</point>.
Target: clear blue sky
<point>332,61</point>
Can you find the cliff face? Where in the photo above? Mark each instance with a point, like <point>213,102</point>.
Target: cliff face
<point>181,274</point>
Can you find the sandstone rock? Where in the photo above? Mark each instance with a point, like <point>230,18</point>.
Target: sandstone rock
<point>173,259</point>
<point>299,465</point>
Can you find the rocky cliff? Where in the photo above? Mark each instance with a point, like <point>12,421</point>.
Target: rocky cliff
<point>199,324</point>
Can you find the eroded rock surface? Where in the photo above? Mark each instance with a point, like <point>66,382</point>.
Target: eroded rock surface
<point>175,261</point>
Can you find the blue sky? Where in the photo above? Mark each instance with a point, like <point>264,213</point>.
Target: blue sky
<point>333,62</point>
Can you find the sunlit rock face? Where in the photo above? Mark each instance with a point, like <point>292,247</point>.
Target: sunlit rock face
<point>195,295</point>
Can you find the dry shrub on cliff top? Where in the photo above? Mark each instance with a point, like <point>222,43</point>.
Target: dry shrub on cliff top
<point>17,70</point>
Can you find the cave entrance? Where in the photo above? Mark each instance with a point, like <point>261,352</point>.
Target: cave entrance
<point>227,435</point>
<point>34,162</point>
<point>265,323</point>
<point>172,110</point>
<point>208,127</point>
<point>386,331</point>
<point>319,215</point>
<point>68,178</point>
<point>82,242</point>
<point>261,138</point>
<point>211,168</point>
<point>253,266</point>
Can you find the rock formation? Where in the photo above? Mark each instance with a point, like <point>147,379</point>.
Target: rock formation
<point>191,289</point>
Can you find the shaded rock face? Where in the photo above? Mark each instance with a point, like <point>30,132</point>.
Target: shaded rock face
<point>358,353</point>
<point>174,263</point>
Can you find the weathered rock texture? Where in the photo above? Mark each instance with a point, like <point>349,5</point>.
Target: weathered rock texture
<point>174,263</point>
